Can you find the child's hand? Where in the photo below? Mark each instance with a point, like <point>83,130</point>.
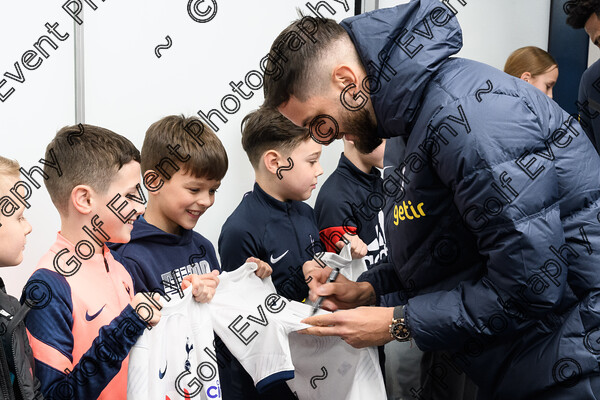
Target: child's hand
<point>358,248</point>
<point>308,267</point>
<point>148,308</point>
<point>263,270</point>
<point>203,286</point>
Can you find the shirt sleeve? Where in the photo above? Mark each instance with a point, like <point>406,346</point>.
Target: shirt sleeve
<point>136,271</point>
<point>334,218</point>
<point>138,275</point>
<point>37,385</point>
<point>383,278</point>
<point>51,338</point>
<point>211,255</point>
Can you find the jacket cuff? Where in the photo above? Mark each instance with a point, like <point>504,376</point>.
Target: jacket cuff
<point>366,277</point>
<point>138,322</point>
<point>407,319</point>
<point>274,380</point>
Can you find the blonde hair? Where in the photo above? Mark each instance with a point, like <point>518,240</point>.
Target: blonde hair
<point>529,59</point>
<point>9,167</point>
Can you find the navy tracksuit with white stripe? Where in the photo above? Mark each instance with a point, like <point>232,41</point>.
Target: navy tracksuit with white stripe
<point>283,234</point>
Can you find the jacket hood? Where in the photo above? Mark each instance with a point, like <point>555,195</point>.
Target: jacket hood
<point>401,48</point>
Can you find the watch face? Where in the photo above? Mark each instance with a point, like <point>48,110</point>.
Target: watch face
<point>399,331</point>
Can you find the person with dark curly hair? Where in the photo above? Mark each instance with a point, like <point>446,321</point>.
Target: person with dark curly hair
<point>586,14</point>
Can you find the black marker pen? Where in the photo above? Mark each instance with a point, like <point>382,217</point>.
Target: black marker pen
<point>332,277</point>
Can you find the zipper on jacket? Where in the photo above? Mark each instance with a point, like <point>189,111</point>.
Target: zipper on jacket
<point>295,277</point>
<point>17,318</point>
<point>19,383</point>
<point>295,232</point>
<point>5,389</point>
<point>114,285</point>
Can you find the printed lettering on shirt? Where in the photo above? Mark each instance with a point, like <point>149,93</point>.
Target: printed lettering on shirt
<point>377,249</point>
<point>175,276</point>
<point>408,211</point>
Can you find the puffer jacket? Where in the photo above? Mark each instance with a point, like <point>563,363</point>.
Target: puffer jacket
<point>15,353</point>
<point>494,232</point>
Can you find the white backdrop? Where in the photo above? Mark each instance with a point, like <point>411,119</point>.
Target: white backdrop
<point>37,108</point>
<point>127,87</point>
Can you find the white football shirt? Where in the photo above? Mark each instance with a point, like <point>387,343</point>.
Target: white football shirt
<point>176,359</point>
<point>254,322</point>
<point>350,268</point>
<point>257,326</point>
<point>329,368</point>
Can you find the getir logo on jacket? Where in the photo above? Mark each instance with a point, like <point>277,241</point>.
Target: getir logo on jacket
<point>407,211</point>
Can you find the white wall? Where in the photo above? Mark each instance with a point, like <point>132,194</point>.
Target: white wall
<point>33,113</point>
<point>492,29</point>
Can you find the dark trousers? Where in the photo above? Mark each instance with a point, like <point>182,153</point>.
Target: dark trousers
<point>439,381</point>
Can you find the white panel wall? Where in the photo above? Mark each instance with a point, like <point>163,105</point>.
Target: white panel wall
<point>492,29</point>
<point>37,108</point>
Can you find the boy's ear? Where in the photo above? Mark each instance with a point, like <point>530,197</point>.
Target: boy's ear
<point>271,160</point>
<point>81,199</point>
<point>155,182</point>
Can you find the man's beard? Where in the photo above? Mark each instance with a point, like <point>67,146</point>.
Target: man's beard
<point>360,125</point>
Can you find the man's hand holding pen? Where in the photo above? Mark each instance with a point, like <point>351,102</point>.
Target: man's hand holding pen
<point>340,295</point>
<point>359,327</point>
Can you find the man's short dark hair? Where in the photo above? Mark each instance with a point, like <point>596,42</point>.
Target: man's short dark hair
<point>88,156</point>
<point>266,129</point>
<point>579,11</point>
<point>294,54</point>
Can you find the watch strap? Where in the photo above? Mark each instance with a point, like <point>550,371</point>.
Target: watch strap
<point>398,312</point>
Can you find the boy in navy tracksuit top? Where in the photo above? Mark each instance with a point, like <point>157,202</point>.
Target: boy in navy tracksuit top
<point>350,201</point>
<point>159,260</point>
<point>182,176</point>
<point>272,223</point>
<point>280,232</point>
<point>183,162</point>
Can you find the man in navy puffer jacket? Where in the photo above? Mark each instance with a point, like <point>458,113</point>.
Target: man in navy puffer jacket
<point>494,232</point>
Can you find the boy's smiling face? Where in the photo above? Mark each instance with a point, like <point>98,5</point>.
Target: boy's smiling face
<point>126,183</point>
<point>13,230</point>
<point>181,201</point>
<point>299,182</point>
